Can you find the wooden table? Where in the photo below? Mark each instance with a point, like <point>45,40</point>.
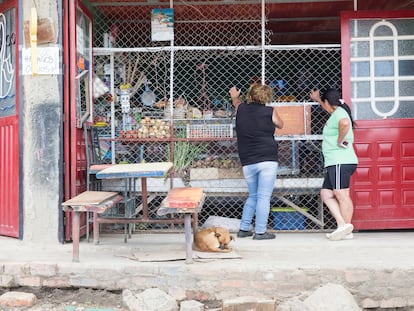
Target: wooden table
<point>187,201</point>
<point>88,201</point>
<point>131,172</point>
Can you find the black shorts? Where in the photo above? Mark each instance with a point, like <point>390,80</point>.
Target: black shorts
<point>338,176</point>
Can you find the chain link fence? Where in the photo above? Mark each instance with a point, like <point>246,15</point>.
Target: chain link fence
<point>170,102</point>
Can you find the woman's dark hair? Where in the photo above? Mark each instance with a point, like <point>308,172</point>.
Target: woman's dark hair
<point>334,99</point>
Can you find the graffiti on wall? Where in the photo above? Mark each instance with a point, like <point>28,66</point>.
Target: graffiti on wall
<point>7,63</point>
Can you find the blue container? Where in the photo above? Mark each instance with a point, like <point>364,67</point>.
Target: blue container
<point>287,218</point>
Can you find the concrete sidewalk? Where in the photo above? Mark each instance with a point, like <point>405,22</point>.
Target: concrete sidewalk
<point>374,266</point>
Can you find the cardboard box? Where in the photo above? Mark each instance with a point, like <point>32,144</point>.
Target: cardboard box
<point>287,218</point>
<point>204,173</point>
<point>297,120</point>
<point>215,173</point>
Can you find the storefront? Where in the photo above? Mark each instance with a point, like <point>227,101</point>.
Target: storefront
<point>152,80</point>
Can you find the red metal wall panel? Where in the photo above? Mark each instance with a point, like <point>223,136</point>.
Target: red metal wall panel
<point>9,179</point>
<point>383,186</point>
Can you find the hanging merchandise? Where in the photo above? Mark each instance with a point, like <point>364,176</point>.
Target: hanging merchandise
<point>148,96</point>
<point>163,102</point>
<point>99,87</point>
<point>204,99</point>
<point>124,99</point>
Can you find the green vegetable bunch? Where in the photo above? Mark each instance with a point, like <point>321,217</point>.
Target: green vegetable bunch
<point>185,153</point>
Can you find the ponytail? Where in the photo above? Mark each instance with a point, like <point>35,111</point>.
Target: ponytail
<point>344,105</point>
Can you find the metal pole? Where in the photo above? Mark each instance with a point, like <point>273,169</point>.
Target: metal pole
<point>263,42</point>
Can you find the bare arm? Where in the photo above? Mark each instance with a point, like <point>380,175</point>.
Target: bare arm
<point>343,128</point>
<point>234,94</point>
<point>276,119</point>
<point>315,95</point>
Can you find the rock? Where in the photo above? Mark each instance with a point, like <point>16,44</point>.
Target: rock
<point>17,299</point>
<point>128,299</point>
<point>293,304</point>
<point>332,297</point>
<point>249,303</point>
<point>152,299</point>
<point>191,305</point>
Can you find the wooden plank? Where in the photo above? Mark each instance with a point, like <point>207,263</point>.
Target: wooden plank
<point>45,32</point>
<point>300,210</point>
<point>184,197</point>
<point>136,170</point>
<point>94,208</point>
<point>90,198</point>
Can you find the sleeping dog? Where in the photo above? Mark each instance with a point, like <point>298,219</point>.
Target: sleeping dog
<point>216,239</point>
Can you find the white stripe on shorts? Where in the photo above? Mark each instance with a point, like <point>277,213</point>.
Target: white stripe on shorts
<point>338,176</point>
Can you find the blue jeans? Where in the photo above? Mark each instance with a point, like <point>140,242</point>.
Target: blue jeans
<point>260,178</point>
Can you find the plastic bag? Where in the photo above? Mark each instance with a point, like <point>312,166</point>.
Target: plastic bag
<point>232,224</point>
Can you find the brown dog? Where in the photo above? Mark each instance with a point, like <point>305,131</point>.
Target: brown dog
<point>216,239</point>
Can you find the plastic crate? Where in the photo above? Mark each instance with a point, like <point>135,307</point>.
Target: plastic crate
<point>210,130</point>
<point>287,218</point>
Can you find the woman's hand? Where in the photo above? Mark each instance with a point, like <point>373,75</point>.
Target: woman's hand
<point>234,94</point>
<point>315,95</point>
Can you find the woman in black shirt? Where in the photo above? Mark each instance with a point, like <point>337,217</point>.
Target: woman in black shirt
<point>257,148</point>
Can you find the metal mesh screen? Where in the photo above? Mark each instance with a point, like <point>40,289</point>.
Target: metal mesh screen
<point>127,24</point>
<point>214,49</point>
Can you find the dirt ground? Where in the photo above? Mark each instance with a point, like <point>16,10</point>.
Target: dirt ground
<point>87,299</point>
<point>82,299</point>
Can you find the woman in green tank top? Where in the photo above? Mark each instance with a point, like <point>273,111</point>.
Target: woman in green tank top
<point>340,161</point>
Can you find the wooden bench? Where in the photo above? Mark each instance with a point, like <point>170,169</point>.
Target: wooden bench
<point>96,202</point>
<point>187,201</point>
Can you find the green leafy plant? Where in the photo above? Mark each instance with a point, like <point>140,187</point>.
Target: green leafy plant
<point>185,153</point>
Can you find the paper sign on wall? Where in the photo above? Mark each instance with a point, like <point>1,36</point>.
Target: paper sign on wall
<point>162,24</point>
<point>47,61</point>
